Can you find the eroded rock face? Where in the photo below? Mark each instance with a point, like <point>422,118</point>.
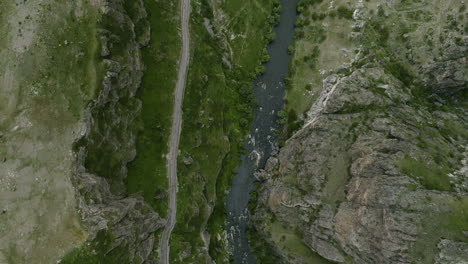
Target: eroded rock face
<point>447,76</point>
<point>377,174</point>
<point>342,174</point>
<point>452,252</point>
<point>108,143</point>
<point>372,176</point>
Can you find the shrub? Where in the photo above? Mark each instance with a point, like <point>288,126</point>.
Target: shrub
<point>282,117</point>
<point>344,12</point>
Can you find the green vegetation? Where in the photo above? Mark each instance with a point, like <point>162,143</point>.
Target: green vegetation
<point>294,123</point>
<point>263,251</point>
<point>101,250</point>
<point>399,71</point>
<point>311,60</point>
<point>344,12</point>
<point>288,240</point>
<point>304,5</point>
<point>102,157</point>
<point>438,157</point>
<point>430,176</point>
<point>316,48</point>
<point>49,72</point>
<point>337,179</point>
<point>462,8</point>
<point>448,223</point>
<point>381,37</point>
<point>217,108</point>
<point>292,244</point>
<point>147,173</point>
<point>51,79</point>
<point>318,16</point>
<point>384,33</point>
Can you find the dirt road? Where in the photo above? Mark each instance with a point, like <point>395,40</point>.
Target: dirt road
<point>175,131</point>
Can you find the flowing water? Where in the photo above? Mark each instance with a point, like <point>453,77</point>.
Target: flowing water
<point>269,91</point>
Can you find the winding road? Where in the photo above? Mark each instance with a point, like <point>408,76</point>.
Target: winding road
<point>175,131</point>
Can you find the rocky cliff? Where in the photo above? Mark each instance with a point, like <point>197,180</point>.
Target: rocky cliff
<point>378,173</point>
<point>108,141</point>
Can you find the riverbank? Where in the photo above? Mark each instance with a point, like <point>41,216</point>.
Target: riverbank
<point>269,92</point>
<point>217,109</point>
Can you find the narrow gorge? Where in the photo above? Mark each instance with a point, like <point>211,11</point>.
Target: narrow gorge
<point>233,131</point>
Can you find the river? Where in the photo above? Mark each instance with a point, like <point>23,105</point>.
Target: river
<point>269,92</point>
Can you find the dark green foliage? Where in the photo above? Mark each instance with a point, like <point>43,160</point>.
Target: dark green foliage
<point>147,173</point>
<point>294,123</point>
<point>264,252</point>
<point>122,34</point>
<point>304,4</point>
<point>282,117</point>
<point>318,16</point>
<point>301,22</point>
<point>290,122</point>
<point>275,13</point>
<point>312,58</point>
<point>380,12</point>
<point>419,16</point>
<point>452,22</point>
<point>317,33</point>
<point>399,71</point>
<point>270,37</point>
<point>462,8</point>
<point>344,12</point>
<point>299,34</point>
<point>102,157</point>
<point>218,106</point>
<point>291,49</point>
<point>382,32</point>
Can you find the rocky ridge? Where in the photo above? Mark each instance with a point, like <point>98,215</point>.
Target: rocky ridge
<point>378,172</point>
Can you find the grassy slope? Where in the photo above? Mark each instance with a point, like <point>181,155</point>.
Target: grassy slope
<point>101,250</point>
<point>147,173</point>
<point>56,73</point>
<point>217,112</point>
<point>79,57</point>
<point>321,43</point>
<point>226,100</point>
<point>292,244</point>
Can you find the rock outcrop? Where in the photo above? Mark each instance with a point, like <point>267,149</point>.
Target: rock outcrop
<point>108,141</point>
<point>345,175</point>
<point>378,172</point>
